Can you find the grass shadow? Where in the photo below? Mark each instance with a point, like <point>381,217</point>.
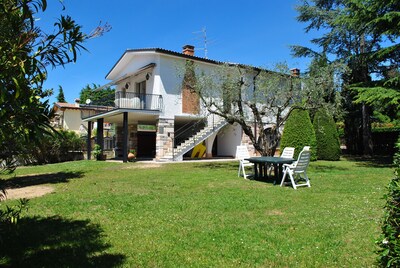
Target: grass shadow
<point>269,179</point>
<point>371,161</point>
<point>55,242</point>
<point>31,180</point>
<point>328,168</point>
<point>218,165</point>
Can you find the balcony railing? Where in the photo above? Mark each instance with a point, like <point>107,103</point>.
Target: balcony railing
<point>131,100</point>
<point>127,100</point>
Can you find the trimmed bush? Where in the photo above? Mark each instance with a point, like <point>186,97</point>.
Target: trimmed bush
<point>299,132</point>
<point>328,147</point>
<point>389,242</point>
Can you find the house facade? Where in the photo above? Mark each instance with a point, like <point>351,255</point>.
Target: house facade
<point>68,116</point>
<point>156,115</point>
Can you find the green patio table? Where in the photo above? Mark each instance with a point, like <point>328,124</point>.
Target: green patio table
<point>261,164</point>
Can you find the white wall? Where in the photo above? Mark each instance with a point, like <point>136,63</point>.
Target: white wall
<point>135,63</point>
<point>73,120</point>
<point>165,79</point>
<point>170,83</point>
<point>228,139</point>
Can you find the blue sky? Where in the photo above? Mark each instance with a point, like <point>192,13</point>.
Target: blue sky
<point>252,32</point>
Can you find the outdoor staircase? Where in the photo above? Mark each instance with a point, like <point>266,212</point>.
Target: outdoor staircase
<point>178,152</point>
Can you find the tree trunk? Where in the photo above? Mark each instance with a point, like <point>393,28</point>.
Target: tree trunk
<point>366,130</point>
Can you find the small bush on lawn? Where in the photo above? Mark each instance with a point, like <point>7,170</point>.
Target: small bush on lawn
<point>389,242</point>
<point>299,132</point>
<point>9,216</point>
<point>328,147</point>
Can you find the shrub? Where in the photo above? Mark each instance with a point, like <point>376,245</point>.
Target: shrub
<point>54,148</point>
<point>389,242</point>
<point>97,152</point>
<point>328,147</point>
<point>9,216</point>
<point>299,132</point>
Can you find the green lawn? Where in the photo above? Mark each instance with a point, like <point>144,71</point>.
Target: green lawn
<point>105,214</point>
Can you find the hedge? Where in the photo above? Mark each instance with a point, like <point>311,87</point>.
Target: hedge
<point>328,147</point>
<point>299,132</point>
<point>389,242</point>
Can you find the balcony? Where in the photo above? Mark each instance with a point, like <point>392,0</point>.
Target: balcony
<point>125,100</point>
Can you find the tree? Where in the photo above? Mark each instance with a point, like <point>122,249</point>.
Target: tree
<point>259,100</point>
<point>25,53</point>
<point>328,147</point>
<point>60,96</point>
<point>299,132</point>
<point>104,97</point>
<point>383,19</point>
<point>355,31</point>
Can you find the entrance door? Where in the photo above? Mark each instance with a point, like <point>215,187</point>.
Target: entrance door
<point>146,144</point>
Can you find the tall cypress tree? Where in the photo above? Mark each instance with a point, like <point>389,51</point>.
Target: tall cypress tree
<point>328,147</point>
<point>60,96</point>
<point>299,132</point>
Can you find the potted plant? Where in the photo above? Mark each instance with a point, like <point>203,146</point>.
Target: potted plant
<point>98,152</point>
<point>131,154</point>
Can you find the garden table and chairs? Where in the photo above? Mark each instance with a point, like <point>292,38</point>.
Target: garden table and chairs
<point>262,164</point>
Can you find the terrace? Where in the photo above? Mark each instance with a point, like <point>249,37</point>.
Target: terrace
<point>125,100</point>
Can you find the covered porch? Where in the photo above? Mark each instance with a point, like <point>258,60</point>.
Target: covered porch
<point>134,129</point>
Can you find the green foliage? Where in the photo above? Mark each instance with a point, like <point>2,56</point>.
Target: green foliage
<point>377,95</point>
<point>60,96</point>
<point>299,132</point>
<point>389,242</point>
<point>328,147</point>
<point>397,155</point>
<point>97,152</point>
<point>364,35</point>
<point>25,53</point>
<point>104,96</point>
<point>54,148</point>
<point>386,129</point>
<point>10,215</point>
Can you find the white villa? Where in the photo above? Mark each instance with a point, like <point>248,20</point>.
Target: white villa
<point>156,115</point>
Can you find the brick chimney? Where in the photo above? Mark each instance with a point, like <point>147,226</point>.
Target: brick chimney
<point>295,72</point>
<point>188,50</point>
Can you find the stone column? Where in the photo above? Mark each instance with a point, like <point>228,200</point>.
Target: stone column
<point>164,137</point>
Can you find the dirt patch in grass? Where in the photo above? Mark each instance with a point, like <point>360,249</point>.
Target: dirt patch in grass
<point>29,192</point>
<point>274,213</point>
<point>143,165</point>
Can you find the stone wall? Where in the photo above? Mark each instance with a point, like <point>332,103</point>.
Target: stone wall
<point>165,137</point>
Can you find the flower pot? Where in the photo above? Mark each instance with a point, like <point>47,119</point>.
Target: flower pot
<point>131,156</point>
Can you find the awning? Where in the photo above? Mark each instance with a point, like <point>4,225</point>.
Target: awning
<point>127,75</point>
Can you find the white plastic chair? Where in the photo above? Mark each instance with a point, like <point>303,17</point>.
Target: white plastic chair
<point>297,170</point>
<point>288,152</point>
<point>241,154</point>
